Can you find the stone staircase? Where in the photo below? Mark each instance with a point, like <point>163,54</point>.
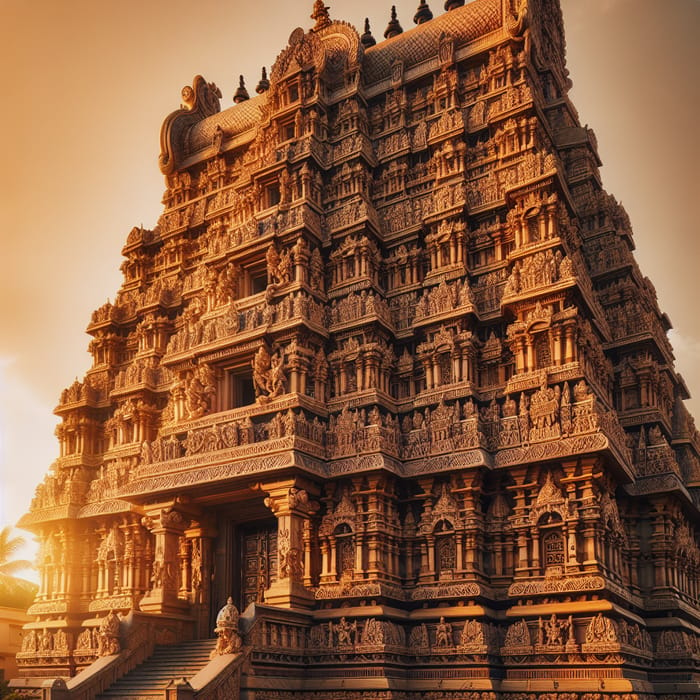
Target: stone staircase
<point>167,663</point>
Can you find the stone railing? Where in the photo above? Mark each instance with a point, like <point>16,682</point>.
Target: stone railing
<point>343,442</point>
<point>138,637</point>
<point>488,297</point>
<point>654,460</point>
<point>220,679</point>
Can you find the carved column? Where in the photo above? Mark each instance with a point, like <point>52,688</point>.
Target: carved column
<point>307,553</point>
<point>167,525</point>
<point>292,506</point>
<point>535,548</point>
<point>529,354</point>
<point>200,570</point>
<point>569,344</point>
<point>555,335</point>
<point>359,372</point>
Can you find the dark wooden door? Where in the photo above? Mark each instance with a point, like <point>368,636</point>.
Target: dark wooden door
<point>258,561</point>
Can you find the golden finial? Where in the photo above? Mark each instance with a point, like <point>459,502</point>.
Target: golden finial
<point>320,14</point>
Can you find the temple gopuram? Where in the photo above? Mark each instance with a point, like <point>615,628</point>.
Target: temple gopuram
<point>384,407</point>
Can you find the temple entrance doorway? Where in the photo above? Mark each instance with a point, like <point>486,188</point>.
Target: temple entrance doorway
<point>245,563</point>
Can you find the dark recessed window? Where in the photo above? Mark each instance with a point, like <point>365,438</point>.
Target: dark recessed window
<point>241,388</point>
<point>273,195</point>
<point>258,282</point>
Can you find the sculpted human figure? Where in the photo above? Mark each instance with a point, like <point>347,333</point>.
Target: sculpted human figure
<point>45,640</point>
<point>277,379</point>
<point>261,371</point>
<point>553,631</point>
<point>30,642</point>
<point>443,634</point>
<point>284,267</point>
<point>345,632</point>
<point>199,392</point>
<point>273,260</point>
<point>108,635</point>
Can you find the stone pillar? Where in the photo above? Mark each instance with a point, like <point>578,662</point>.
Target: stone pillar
<point>569,344</point>
<point>530,355</point>
<point>556,344</point>
<point>359,547</point>
<point>200,569</point>
<point>519,352</point>
<point>428,366</point>
<point>456,367</point>
<point>535,548</point>
<point>430,541</point>
<point>292,506</point>
<point>359,372</point>
<point>307,553</point>
<point>459,561</point>
<point>167,525</point>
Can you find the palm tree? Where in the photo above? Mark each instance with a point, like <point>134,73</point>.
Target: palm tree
<point>9,546</point>
<point>14,592</point>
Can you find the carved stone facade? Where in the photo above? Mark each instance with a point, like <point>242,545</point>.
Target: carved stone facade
<point>387,370</point>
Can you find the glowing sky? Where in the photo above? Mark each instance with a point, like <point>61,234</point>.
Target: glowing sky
<point>87,84</point>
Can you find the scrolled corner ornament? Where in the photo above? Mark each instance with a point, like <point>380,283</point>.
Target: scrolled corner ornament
<point>517,22</point>
<point>199,101</point>
<point>228,640</point>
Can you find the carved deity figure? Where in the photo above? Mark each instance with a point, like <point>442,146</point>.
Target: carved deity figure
<point>30,642</point>
<point>345,632</point>
<point>200,391</point>
<point>108,635</point>
<point>443,634</point>
<point>553,629</point>
<point>269,378</point>
<point>84,641</point>
<point>261,370</point>
<point>278,380</point>
<point>45,640</point>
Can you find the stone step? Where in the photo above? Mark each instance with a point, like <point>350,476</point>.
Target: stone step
<point>166,663</point>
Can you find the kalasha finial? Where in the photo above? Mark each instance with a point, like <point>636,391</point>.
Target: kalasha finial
<point>393,28</point>
<point>453,4</point>
<point>367,39</point>
<point>241,94</point>
<point>264,84</point>
<point>423,13</point>
<point>320,14</point>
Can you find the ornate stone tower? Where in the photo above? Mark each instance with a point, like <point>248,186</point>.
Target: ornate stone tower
<point>387,373</point>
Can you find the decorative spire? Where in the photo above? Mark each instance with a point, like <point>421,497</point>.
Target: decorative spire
<point>423,13</point>
<point>241,94</point>
<point>367,39</point>
<point>453,4</point>
<point>393,28</point>
<point>320,14</point>
<point>264,84</point>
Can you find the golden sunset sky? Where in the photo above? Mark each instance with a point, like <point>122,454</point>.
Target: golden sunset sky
<point>87,84</point>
